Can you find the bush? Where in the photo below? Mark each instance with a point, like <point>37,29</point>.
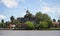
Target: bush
<point>3,25</point>
<point>29,25</point>
<point>43,25</point>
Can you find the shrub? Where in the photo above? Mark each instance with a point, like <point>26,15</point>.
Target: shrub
<point>43,25</point>
<point>30,25</point>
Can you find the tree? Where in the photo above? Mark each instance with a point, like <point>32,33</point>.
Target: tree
<point>6,23</point>
<point>2,23</point>
<point>58,20</point>
<point>2,20</point>
<point>54,20</point>
<point>43,25</point>
<point>39,17</point>
<point>29,25</point>
<point>42,17</point>
<point>28,15</point>
<point>12,19</point>
<point>46,18</point>
<point>18,24</point>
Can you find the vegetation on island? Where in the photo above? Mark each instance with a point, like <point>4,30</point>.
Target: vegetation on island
<point>39,21</point>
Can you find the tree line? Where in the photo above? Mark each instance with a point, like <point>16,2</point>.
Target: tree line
<point>43,21</point>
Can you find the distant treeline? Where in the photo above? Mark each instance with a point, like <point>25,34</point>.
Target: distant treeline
<point>39,21</point>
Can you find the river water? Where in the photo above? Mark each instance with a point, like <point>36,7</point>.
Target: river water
<point>29,33</point>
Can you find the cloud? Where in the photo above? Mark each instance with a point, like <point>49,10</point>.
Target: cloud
<point>2,17</point>
<point>44,7</point>
<point>43,3</point>
<point>53,12</point>
<point>47,9</point>
<point>50,9</point>
<point>11,3</point>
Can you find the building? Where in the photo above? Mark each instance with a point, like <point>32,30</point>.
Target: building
<point>55,24</point>
<point>11,26</point>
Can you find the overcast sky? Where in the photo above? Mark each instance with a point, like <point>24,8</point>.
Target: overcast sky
<point>17,8</point>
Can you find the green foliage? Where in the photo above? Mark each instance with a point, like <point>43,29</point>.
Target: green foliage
<point>29,25</point>
<point>43,21</point>
<point>53,28</point>
<point>18,24</point>
<point>43,25</point>
<point>39,16</point>
<point>46,18</point>
<point>3,25</point>
<point>43,18</point>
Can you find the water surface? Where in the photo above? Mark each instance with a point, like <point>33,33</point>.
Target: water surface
<point>29,33</point>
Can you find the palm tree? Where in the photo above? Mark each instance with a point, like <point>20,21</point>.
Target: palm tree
<point>12,19</point>
<point>2,22</point>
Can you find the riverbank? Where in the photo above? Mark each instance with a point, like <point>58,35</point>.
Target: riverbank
<point>29,30</point>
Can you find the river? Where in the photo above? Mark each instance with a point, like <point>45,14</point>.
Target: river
<point>29,33</point>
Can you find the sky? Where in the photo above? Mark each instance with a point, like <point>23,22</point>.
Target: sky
<point>18,8</point>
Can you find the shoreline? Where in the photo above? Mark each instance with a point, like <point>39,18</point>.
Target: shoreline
<point>29,30</point>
